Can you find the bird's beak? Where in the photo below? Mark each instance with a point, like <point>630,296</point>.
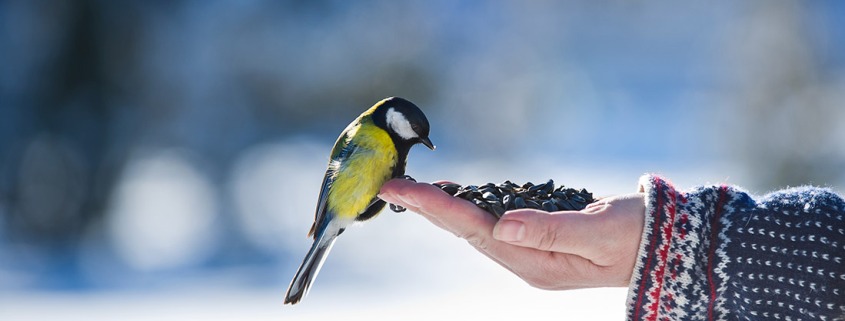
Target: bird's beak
<point>427,143</point>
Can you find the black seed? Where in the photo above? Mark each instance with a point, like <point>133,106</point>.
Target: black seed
<point>563,204</point>
<point>497,210</point>
<point>463,193</point>
<point>508,185</point>
<point>487,189</point>
<point>572,205</point>
<point>549,187</point>
<point>535,188</point>
<point>507,201</point>
<point>549,206</point>
<point>450,189</point>
<point>496,199</point>
<point>508,192</point>
<point>490,196</point>
<point>559,194</point>
<point>397,208</point>
<point>481,204</point>
<point>519,202</point>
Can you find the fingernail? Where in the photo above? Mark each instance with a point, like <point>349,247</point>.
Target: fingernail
<point>509,231</point>
<point>388,198</point>
<point>408,199</point>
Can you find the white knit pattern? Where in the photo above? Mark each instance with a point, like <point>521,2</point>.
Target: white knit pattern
<point>714,253</point>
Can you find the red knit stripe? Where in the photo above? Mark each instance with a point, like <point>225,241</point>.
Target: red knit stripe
<point>664,254</point>
<point>652,244</point>
<point>714,235</point>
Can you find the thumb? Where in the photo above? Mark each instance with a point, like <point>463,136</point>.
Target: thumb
<point>565,232</point>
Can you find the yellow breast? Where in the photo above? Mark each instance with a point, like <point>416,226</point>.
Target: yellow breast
<point>361,176</point>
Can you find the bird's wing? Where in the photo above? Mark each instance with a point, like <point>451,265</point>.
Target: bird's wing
<point>343,148</point>
<point>320,214</point>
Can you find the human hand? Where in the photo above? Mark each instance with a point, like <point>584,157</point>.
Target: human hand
<point>594,247</point>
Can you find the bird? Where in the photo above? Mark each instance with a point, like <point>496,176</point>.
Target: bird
<point>370,151</point>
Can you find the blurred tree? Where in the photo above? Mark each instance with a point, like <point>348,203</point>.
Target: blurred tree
<point>59,153</point>
<point>66,143</point>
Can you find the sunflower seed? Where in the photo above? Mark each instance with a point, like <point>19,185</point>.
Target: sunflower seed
<point>507,201</point>
<point>450,189</point>
<point>490,197</point>
<point>496,199</point>
<point>519,202</point>
<point>549,206</point>
<point>497,210</point>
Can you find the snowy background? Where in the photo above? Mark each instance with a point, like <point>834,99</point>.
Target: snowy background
<point>160,160</point>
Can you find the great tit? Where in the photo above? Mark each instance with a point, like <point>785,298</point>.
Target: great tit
<point>370,151</point>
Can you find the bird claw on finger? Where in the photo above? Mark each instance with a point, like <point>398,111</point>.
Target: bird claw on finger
<point>397,208</point>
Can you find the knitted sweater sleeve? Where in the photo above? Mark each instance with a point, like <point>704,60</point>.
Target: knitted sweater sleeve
<point>715,253</point>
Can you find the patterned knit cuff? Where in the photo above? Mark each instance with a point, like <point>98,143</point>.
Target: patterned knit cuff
<point>678,274</point>
<point>714,253</point>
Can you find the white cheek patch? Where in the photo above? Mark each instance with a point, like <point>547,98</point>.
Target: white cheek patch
<point>400,124</point>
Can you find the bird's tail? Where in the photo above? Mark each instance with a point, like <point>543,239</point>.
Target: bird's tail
<point>311,265</point>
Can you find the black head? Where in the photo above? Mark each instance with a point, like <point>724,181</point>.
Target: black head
<point>403,120</point>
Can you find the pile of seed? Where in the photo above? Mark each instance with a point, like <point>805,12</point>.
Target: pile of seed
<point>496,199</point>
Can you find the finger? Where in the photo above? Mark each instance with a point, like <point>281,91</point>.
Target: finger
<point>453,214</point>
<point>456,215</point>
<point>564,232</point>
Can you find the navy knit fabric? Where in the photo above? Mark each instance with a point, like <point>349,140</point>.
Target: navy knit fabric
<point>716,253</point>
